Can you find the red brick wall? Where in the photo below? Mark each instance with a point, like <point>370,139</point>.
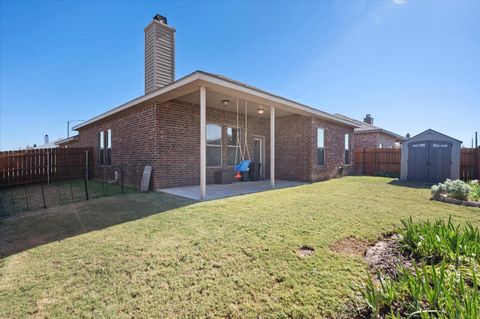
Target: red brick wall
<point>167,137</point>
<point>293,148</point>
<point>178,131</point>
<point>133,137</point>
<point>296,152</point>
<point>373,140</point>
<point>386,140</point>
<point>334,150</point>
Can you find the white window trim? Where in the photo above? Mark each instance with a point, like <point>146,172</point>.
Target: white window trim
<point>108,133</point>
<point>324,148</point>
<point>349,149</point>
<point>233,146</point>
<point>214,145</point>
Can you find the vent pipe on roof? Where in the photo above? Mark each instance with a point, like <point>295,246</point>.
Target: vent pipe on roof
<point>159,54</point>
<point>45,139</point>
<point>368,119</point>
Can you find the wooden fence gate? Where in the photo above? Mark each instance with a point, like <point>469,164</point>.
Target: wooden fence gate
<point>45,165</point>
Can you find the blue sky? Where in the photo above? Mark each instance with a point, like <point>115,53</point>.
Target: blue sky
<point>412,64</point>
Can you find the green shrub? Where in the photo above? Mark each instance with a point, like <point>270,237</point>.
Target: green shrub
<point>426,292</point>
<point>455,189</point>
<point>443,281</point>
<point>440,240</point>
<point>474,194</point>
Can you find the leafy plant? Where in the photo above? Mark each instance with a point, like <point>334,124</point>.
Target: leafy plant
<point>474,194</point>
<point>439,240</point>
<point>455,189</point>
<point>443,281</point>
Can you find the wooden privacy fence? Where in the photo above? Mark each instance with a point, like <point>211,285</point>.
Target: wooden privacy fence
<point>470,164</point>
<point>377,161</point>
<point>45,165</point>
<point>386,161</point>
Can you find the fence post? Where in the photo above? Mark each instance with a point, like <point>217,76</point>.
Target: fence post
<point>43,197</point>
<point>86,187</point>
<point>13,201</point>
<point>59,194</point>
<point>48,167</point>
<point>26,197</point>
<point>374,161</point>
<point>121,176</point>
<point>363,161</point>
<point>86,164</point>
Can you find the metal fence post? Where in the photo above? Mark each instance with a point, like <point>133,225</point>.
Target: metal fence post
<point>13,201</point>
<point>43,197</point>
<point>86,164</point>
<point>26,197</point>
<point>86,187</point>
<point>48,167</point>
<point>121,176</point>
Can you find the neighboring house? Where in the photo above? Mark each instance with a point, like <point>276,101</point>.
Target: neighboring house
<point>67,142</point>
<point>187,129</point>
<point>46,144</point>
<point>369,136</point>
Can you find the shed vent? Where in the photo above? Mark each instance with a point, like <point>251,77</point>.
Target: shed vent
<point>159,54</point>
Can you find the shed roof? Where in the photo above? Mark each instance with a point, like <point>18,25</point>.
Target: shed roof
<point>432,132</point>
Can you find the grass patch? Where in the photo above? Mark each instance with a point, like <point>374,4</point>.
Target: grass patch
<point>235,257</point>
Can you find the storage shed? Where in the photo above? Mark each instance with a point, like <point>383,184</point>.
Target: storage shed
<point>430,157</point>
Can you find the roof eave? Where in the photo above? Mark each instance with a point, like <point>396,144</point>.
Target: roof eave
<point>213,79</point>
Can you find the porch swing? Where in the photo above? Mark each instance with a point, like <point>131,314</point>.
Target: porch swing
<point>244,164</point>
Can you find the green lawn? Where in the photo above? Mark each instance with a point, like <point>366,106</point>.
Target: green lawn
<point>115,257</point>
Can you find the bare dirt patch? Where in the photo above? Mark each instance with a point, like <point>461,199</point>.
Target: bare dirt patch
<point>305,251</point>
<point>350,246</point>
<point>385,256</point>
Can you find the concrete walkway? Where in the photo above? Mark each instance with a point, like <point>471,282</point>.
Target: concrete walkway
<point>215,191</point>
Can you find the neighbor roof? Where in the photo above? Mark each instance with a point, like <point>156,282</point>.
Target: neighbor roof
<point>66,140</point>
<point>223,81</point>
<point>368,128</point>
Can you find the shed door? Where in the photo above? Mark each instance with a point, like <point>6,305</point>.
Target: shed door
<point>440,161</point>
<point>418,161</point>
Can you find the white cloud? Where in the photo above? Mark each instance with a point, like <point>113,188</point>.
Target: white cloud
<point>399,1</point>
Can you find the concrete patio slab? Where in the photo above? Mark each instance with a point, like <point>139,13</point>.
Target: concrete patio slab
<point>215,191</point>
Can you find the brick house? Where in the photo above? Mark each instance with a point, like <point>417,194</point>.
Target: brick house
<point>190,128</point>
<point>366,135</point>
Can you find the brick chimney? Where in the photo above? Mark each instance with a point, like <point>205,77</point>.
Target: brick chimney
<point>159,54</point>
<point>368,119</point>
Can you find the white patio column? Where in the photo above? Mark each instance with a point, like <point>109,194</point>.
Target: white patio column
<point>272,146</point>
<point>203,146</point>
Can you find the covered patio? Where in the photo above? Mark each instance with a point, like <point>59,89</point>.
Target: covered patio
<point>215,191</point>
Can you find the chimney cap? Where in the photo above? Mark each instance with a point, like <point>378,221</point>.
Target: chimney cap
<point>160,18</point>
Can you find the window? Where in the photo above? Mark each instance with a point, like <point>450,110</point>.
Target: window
<point>233,148</point>
<point>320,146</point>
<point>347,149</point>
<point>214,145</point>
<point>108,158</point>
<point>101,147</point>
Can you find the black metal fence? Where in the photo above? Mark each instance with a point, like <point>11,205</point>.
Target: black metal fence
<point>23,198</point>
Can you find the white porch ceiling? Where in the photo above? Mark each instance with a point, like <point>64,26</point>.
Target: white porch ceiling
<point>214,100</point>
